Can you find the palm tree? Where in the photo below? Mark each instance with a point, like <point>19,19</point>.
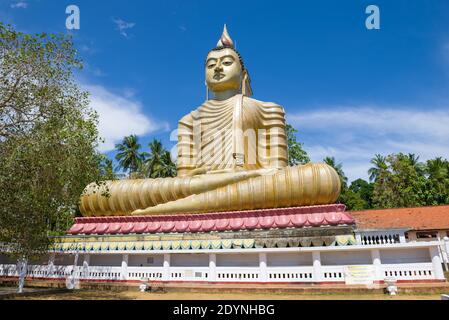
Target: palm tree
<point>107,169</point>
<point>414,161</point>
<point>169,167</point>
<point>153,159</point>
<point>128,155</point>
<point>380,165</point>
<point>339,168</point>
<point>437,169</point>
<point>158,163</point>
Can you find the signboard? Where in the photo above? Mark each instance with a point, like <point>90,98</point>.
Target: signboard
<point>359,274</point>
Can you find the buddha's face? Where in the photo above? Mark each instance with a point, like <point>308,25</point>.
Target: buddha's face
<point>223,70</point>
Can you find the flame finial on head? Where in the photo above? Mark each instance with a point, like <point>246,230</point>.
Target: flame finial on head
<point>225,40</point>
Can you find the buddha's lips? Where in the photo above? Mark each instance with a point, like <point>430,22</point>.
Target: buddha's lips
<point>219,76</point>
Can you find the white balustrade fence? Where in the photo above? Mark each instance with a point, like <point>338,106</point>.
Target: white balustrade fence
<point>144,273</point>
<point>333,273</point>
<point>290,274</point>
<point>413,271</point>
<point>238,274</point>
<point>380,237</point>
<point>300,266</point>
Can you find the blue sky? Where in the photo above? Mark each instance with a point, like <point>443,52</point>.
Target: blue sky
<point>351,92</point>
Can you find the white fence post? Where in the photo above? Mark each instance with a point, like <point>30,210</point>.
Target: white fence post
<point>263,267</point>
<point>358,238</point>
<point>212,267</point>
<point>166,272</point>
<point>85,269</point>
<point>436,263</point>
<point>377,263</point>
<point>317,271</point>
<point>445,251</point>
<point>124,271</point>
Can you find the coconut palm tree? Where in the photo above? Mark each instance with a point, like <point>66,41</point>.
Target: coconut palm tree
<point>438,180</point>
<point>153,159</point>
<point>169,167</point>
<point>107,169</point>
<point>128,156</point>
<point>380,165</point>
<point>158,163</point>
<point>339,168</point>
<point>414,161</point>
<point>437,169</point>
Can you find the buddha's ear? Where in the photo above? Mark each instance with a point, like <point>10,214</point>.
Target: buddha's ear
<point>246,84</point>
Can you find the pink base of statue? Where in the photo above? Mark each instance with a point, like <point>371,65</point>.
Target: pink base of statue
<point>298,217</point>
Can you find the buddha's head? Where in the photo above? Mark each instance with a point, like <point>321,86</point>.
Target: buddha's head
<point>225,69</point>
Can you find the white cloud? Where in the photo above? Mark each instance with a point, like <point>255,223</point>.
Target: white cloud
<point>19,5</point>
<point>353,135</point>
<point>119,117</point>
<point>122,26</point>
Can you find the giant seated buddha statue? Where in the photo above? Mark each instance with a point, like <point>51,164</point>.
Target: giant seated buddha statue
<point>232,155</point>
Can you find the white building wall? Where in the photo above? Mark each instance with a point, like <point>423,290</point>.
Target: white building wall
<point>189,260</point>
<point>237,260</point>
<point>104,260</point>
<point>289,259</point>
<point>345,258</point>
<point>64,260</point>
<point>137,260</point>
<point>405,256</point>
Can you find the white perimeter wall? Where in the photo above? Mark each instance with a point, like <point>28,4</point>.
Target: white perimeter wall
<point>105,260</point>
<point>189,260</point>
<point>289,259</point>
<point>145,260</point>
<point>405,256</point>
<point>346,258</point>
<point>238,260</point>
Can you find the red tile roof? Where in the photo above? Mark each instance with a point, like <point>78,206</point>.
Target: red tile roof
<point>423,218</point>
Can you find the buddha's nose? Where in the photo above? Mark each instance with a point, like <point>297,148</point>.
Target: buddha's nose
<point>218,67</point>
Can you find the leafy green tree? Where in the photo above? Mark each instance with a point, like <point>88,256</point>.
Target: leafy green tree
<point>128,154</point>
<point>352,200</point>
<point>48,141</point>
<point>359,195</point>
<point>401,185</point>
<point>34,69</point>
<point>107,171</point>
<point>437,171</point>
<point>365,190</point>
<point>296,153</point>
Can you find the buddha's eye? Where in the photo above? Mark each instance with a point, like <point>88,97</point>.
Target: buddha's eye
<point>227,62</point>
<point>211,63</point>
